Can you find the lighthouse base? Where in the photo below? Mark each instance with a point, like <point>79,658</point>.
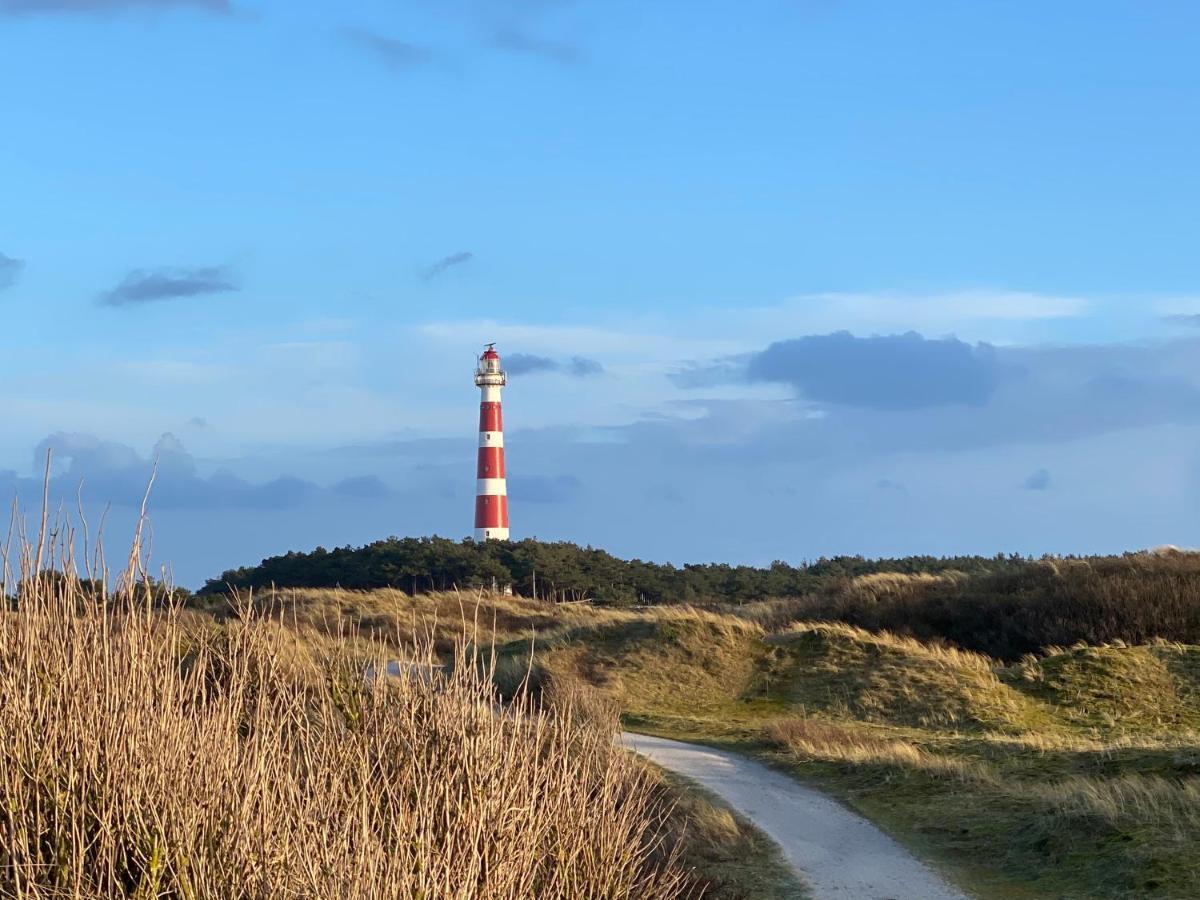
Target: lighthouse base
<point>491,534</point>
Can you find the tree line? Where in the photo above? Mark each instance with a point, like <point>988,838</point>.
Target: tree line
<point>562,571</point>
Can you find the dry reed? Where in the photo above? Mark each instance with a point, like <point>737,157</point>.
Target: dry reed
<point>144,758</point>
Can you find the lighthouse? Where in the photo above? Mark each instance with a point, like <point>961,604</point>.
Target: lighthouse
<point>491,490</point>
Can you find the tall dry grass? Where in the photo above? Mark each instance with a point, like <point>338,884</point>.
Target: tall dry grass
<point>854,744</point>
<point>144,758</point>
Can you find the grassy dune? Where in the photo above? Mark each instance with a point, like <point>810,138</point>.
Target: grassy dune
<point>394,619</point>
<point>1071,773</point>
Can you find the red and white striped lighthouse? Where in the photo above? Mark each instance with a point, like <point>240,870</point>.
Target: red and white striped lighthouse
<point>491,489</point>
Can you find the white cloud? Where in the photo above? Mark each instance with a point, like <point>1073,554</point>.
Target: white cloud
<point>319,382</point>
<point>654,343</point>
<point>977,315</point>
<point>957,306</point>
<point>640,352</point>
<point>636,341</point>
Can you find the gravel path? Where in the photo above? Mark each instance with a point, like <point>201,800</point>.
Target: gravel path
<point>840,855</point>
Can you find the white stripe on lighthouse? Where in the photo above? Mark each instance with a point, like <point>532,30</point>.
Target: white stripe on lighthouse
<point>490,487</point>
<point>491,439</point>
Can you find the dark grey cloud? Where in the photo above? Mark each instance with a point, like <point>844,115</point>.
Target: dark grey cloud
<point>543,488</point>
<point>1192,320</point>
<point>396,54</point>
<point>528,364</point>
<point>363,487</point>
<point>583,367</point>
<point>1047,395</point>
<point>522,27</point>
<point>1037,481</point>
<point>168,283</point>
<point>712,373</point>
<point>10,271</point>
<point>30,7</point>
<point>447,262</point>
<point>111,472</point>
<point>904,371</point>
<point>516,40</point>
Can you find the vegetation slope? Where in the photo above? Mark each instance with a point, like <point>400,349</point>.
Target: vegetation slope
<point>1003,606</point>
<point>1075,773</point>
<point>1072,771</point>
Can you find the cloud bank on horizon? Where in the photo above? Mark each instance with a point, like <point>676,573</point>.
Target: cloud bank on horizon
<point>857,432</point>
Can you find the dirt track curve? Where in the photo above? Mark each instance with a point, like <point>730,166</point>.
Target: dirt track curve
<point>839,855</point>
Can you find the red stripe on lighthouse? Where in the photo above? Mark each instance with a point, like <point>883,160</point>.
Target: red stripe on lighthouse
<point>491,512</point>
<point>491,463</point>
<point>490,418</point>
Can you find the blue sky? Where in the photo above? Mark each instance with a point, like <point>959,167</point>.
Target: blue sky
<point>782,278</point>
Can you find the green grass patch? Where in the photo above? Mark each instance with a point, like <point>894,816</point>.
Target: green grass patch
<point>1074,775</point>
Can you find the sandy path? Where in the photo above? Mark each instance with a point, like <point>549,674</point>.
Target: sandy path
<point>840,855</point>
